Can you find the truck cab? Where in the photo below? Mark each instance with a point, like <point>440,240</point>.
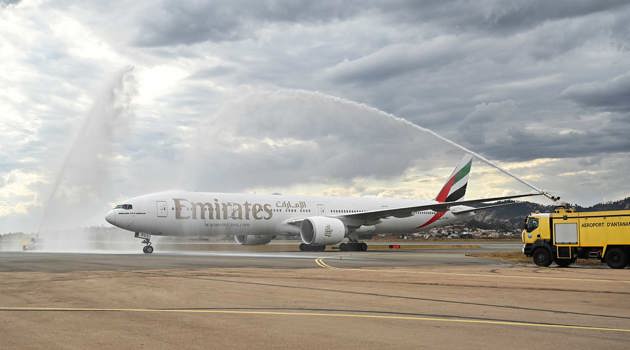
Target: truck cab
<point>536,228</point>
<point>536,236</point>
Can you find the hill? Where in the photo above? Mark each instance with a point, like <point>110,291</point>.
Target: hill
<point>511,217</point>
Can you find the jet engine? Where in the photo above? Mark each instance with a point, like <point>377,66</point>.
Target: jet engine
<point>321,230</point>
<point>252,239</point>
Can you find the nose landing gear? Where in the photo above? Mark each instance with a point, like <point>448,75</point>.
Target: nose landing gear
<point>146,240</point>
<point>147,249</point>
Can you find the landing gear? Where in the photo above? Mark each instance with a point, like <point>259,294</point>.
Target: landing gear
<point>353,247</point>
<point>147,249</point>
<point>146,240</point>
<point>312,247</point>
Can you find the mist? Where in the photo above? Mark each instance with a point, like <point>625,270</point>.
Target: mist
<point>81,189</point>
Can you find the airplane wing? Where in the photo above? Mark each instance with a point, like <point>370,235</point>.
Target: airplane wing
<point>374,216</point>
<point>470,210</point>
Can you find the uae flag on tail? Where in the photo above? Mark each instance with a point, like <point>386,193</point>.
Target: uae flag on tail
<point>455,187</point>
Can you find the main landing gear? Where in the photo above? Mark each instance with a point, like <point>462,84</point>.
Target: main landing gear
<point>353,247</point>
<point>312,247</point>
<point>146,240</point>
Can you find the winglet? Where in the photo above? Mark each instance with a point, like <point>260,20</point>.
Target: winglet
<point>455,187</point>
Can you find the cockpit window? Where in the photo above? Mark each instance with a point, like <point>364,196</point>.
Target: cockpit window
<point>532,224</point>
<point>124,206</point>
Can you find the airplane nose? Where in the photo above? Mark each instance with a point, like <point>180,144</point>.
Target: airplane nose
<point>110,217</point>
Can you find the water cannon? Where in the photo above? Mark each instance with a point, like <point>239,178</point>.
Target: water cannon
<point>563,208</point>
<point>551,196</point>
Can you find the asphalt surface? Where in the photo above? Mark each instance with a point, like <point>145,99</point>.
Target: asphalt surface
<point>107,261</point>
<point>408,299</point>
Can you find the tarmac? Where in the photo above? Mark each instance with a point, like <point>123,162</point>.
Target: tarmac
<point>408,299</point>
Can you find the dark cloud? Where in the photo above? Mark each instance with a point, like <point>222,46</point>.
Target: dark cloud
<point>9,2</point>
<point>519,144</point>
<point>392,61</point>
<point>494,16</point>
<point>529,13</point>
<point>189,22</point>
<point>613,94</point>
<point>480,123</point>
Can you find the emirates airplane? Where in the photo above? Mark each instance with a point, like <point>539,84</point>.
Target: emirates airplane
<point>319,221</point>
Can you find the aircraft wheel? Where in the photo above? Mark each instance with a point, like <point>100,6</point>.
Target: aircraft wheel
<point>353,247</point>
<point>147,249</point>
<point>312,247</point>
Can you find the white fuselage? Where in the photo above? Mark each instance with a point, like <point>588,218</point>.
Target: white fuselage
<point>179,213</point>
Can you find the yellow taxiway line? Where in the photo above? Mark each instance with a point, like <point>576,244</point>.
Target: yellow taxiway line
<point>320,314</point>
<point>320,262</point>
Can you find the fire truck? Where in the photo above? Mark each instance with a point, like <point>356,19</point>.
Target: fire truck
<point>565,235</point>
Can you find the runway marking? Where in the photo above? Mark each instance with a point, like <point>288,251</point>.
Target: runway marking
<point>320,262</point>
<point>320,314</point>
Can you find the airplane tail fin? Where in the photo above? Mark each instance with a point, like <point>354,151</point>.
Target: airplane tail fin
<point>455,188</point>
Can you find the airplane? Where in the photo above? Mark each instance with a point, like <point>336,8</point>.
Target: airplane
<point>319,221</point>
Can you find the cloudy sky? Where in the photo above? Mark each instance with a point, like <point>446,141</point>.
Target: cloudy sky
<point>104,100</point>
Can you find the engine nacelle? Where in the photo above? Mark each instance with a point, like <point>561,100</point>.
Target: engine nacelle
<point>321,230</point>
<point>363,232</point>
<point>252,239</point>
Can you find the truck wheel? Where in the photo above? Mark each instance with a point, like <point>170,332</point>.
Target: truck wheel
<point>542,257</point>
<point>564,262</point>
<point>616,258</point>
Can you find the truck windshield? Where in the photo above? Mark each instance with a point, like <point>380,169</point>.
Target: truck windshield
<point>532,224</point>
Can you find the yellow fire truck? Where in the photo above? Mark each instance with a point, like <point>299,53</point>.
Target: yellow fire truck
<point>565,235</point>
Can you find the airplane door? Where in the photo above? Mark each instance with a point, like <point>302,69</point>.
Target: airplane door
<point>207,223</point>
<point>321,210</point>
<point>162,209</point>
<point>235,226</point>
